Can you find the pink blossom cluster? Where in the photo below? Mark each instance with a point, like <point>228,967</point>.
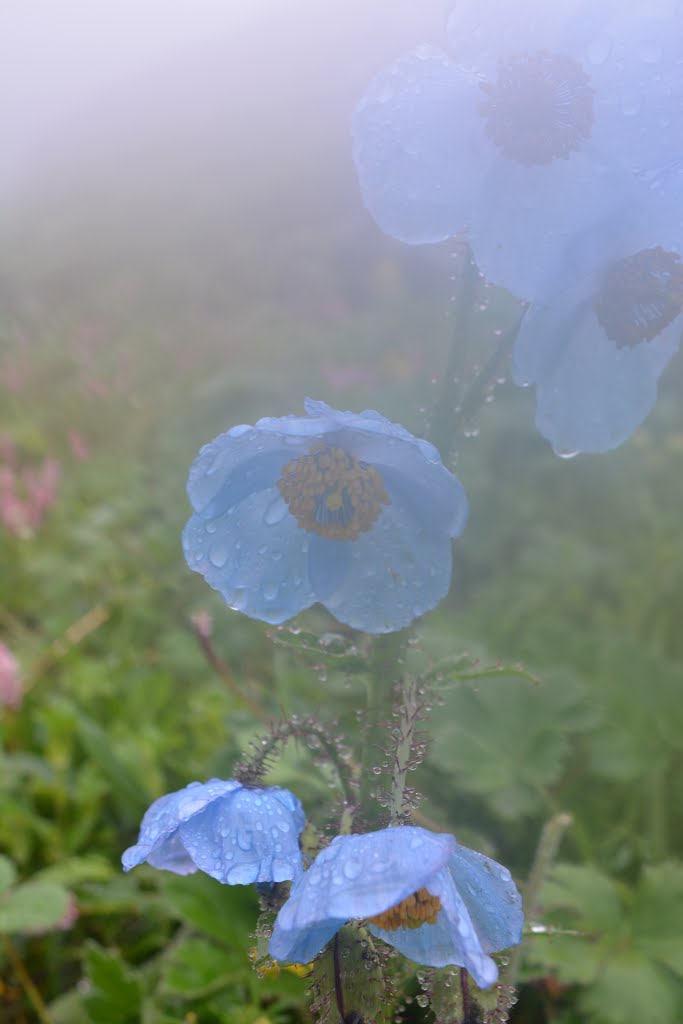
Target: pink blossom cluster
<point>26,491</point>
<point>11,688</point>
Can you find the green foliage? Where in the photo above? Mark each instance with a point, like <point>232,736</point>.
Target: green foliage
<point>628,959</point>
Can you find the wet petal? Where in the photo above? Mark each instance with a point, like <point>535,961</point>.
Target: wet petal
<point>255,555</point>
<point>252,837</point>
<point>452,940</point>
<point>491,897</point>
<point>162,819</point>
<point>355,877</point>
<point>413,143</point>
<point>399,570</point>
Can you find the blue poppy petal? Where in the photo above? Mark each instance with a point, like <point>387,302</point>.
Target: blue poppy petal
<point>526,241</point>
<point>599,394</point>
<point>399,570</point>
<point>256,556</point>
<point>452,940</point>
<point>162,819</point>
<point>251,837</point>
<point>480,32</point>
<point>328,564</point>
<point>412,147</point>
<point>355,876</point>
<point>491,897</point>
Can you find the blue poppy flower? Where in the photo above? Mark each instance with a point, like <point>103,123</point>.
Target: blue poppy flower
<point>435,901</point>
<point>346,509</point>
<point>528,133</point>
<point>596,349</point>
<point>237,834</point>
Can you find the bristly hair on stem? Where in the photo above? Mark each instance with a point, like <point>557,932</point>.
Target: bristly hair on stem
<point>326,747</point>
<point>406,749</point>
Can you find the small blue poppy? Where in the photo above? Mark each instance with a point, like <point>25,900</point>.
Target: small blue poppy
<point>236,834</point>
<point>540,125</point>
<point>435,901</point>
<point>346,509</point>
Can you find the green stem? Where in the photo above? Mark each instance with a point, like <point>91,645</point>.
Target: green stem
<point>546,851</point>
<point>26,982</point>
<point>445,410</point>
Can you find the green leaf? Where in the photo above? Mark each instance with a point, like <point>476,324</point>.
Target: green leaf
<point>32,907</point>
<point>508,739</point>
<point>126,790</point>
<point>226,913</point>
<point>77,869</point>
<point>196,968</point>
<point>117,996</point>
<point>350,957</point>
<point>8,873</point>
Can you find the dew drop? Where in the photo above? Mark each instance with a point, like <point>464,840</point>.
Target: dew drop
<point>218,555</point>
<point>276,512</point>
<point>270,591</point>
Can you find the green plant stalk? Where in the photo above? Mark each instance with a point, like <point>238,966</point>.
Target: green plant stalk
<point>546,851</point>
<point>26,982</point>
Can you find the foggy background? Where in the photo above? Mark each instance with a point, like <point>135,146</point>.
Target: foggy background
<point>172,145</point>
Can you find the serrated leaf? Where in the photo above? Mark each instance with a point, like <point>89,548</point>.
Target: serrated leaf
<point>196,968</point>
<point>117,998</point>
<point>32,907</point>
<point>509,738</point>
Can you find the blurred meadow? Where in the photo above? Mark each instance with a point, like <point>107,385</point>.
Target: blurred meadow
<point>183,250</point>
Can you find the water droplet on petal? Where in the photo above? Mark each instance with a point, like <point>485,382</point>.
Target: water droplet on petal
<point>352,868</point>
<point>218,555</point>
<point>275,512</point>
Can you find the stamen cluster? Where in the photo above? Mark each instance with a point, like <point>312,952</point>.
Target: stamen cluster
<point>331,493</point>
<point>417,909</point>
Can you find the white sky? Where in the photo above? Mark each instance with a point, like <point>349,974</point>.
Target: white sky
<point>58,57</point>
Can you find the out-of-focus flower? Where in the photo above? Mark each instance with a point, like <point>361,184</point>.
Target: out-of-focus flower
<point>11,688</point>
<point>80,448</point>
<point>342,508</point>
<point>546,121</point>
<point>596,349</point>
<point>435,901</point>
<point>26,494</point>
<point>236,834</point>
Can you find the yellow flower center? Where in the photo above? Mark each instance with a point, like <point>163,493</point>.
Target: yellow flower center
<point>417,909</point>
<point>331,493</point>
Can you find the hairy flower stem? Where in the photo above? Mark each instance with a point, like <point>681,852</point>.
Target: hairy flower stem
<point>385,669</point>
<point>409,716</point>
<point>546,851</point>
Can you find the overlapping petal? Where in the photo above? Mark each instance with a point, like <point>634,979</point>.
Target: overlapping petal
<point>361,876</point>
<point>237,834</point>
<point>267,562</point>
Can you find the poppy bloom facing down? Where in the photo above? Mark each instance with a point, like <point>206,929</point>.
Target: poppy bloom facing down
<point>236,834</point>
<point>435,901</point>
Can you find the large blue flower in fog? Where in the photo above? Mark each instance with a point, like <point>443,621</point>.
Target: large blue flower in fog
<point>435,901</point>
<point>542,122</point>
<point>237,834</point>
<point>342,508</point>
